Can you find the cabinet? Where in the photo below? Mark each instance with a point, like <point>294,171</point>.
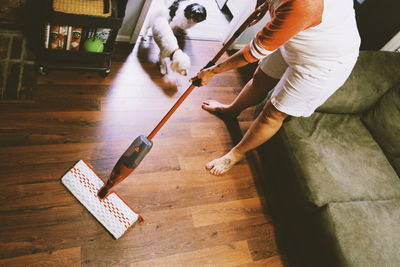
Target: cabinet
<point>80,60</point>
<point>378,22</point>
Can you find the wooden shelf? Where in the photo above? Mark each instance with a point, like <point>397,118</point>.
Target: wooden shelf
<point>68,57</point>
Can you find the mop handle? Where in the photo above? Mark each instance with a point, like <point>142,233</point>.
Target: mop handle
<point>239,31</point>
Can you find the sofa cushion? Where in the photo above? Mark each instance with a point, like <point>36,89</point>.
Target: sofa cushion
<point>383,121</point>
<point>335,159</point>
<point>363,233</point>
<point>374,74</point>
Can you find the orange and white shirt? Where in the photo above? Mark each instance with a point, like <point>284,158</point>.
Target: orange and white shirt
<point>307,30</point>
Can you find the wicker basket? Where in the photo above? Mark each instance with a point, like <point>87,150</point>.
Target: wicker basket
<point>99,8</point>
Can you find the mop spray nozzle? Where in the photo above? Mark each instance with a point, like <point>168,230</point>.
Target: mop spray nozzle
<point>127,163</point>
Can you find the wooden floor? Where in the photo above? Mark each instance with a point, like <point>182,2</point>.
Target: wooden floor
<point>216,27</point>
<point>191,217</point>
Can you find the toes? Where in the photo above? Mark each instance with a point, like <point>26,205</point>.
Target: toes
<point>220,171</point>
<point>217,166</point>
<point>206,105</point>
<point>214,171</point>
<point>210,165</point>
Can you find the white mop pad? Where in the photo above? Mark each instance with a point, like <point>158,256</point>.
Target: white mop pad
<point>111,212</point>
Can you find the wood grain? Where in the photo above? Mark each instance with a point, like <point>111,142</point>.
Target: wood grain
<point>225,255</point>
<point>67,257</point>
<point>226,212</point>
<point>191,217</point>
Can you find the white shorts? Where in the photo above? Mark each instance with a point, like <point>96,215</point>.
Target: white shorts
<point>303,88</point>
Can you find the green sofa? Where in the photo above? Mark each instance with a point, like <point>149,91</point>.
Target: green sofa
<point>335,175</point>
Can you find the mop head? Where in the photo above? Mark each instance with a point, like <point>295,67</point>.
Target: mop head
<point>112,212</point>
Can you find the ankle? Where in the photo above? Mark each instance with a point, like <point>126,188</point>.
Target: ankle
<point>230,109</point>
<point>237,153</point>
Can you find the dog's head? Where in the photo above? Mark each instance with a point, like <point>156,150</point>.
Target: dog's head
<point>180,62</point>
<point>195,12</point>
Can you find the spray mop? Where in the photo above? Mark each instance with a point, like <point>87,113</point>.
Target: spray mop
<point>106,206</point>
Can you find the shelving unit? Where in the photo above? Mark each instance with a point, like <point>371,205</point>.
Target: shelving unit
<point>80,60</point>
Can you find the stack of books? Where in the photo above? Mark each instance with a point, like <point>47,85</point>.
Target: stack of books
<point>61,37</point>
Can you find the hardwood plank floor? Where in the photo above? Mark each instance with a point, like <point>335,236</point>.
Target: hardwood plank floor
<point>191,217</point>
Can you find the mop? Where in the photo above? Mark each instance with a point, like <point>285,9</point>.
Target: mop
<point>112,212</point>
<point>106,206</point>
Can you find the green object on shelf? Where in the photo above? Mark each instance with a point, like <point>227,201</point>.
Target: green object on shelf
<point>93,45</point>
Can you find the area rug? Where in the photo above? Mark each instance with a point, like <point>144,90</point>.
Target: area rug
<point>17,69</point>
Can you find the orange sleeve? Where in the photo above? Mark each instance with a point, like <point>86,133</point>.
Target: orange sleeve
<point>287,19</point>
<point>248,55</point>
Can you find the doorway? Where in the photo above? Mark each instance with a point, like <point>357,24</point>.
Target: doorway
<point>223,17</point>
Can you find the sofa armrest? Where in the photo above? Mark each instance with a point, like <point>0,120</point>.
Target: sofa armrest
<point>374,73</point>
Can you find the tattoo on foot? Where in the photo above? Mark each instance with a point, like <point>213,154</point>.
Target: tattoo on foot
<point>227,163</point>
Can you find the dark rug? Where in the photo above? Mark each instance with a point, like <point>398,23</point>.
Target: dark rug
<point>17,68</point>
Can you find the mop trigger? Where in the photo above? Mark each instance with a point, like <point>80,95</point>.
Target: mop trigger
<point>136,152</point>
<point>127,163</point>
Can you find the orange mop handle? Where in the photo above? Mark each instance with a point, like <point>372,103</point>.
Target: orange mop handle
<point>170,112</point>
<point>194,84</point>
<point>142,145</point>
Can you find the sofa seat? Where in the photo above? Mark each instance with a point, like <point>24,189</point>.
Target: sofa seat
<point>334,173</point>
<point>334,158</point>
<point>344,223</point>
<point>384,124</point>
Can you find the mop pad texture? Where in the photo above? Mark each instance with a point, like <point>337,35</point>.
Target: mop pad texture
<point>111,212</point>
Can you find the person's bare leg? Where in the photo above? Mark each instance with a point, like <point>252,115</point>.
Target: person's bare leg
<point>252,94</point>
<point>263,128</point>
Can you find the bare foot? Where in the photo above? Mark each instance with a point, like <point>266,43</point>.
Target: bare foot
<point>223,164</point>
<point>217,107</point>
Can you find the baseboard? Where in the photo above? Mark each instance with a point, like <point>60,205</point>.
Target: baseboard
<point>237,46</point>
<point>393,44</point>
<point>123,38</point>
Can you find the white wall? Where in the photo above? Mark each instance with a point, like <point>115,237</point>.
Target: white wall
<point>132,13</point>
<point>250,33</point>
<point>241,10</point>
<point>134,8</point>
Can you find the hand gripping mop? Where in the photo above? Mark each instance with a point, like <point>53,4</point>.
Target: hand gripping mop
<point>108,208</point>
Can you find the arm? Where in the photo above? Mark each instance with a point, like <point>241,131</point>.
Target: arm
<point>237,60</point>
<point>289,18</point>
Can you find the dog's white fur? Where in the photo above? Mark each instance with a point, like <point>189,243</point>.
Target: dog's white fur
<point>179,22</point>
<point>164,37</point>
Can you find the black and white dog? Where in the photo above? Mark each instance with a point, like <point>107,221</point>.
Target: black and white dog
<point>166,18</point>
<point>158,22</point>
<point>184,14</point>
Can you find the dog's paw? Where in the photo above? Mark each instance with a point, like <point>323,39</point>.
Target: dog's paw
<point>163,69</point>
